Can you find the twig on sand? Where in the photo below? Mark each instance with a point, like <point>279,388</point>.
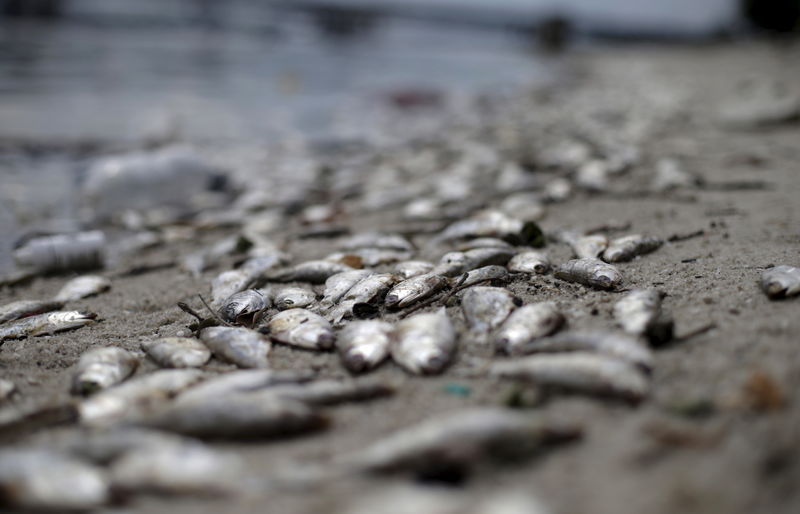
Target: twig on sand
<point>453,290</point>
<point>188,310</point>
<point>213,314</point>
<point>696,332</point>
<point>674,238</point>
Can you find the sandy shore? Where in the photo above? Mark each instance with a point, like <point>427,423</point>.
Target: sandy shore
<point>733,457</point>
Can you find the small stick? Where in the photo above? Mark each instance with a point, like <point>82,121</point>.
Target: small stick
<point>433,299</point>
<point>214,314</point>
<point>188,310</point>
<point>674,238</point>
<point>696,332</point>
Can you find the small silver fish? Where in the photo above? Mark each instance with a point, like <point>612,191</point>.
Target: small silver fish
<point>530,262</point>
<point>239,417</point>
<point>377,240</point>
<point>486,308</point>
<point>414,289</point>
<point>327,392</point>
<point>337,285</point>
<point>593,175</point>
<point>197,262</point>
<point>314,272</point>
<point>45,324</point>
<point>82,287</point>
<point>227,284</point>
<point>25,308</point>
<point>457,440</point>
<point>243,381</point>
<point>455,263</point>
<point>136,395</point>
<point>238,345</point>
<point>7,390</point>
<point>581,372</point>
<point>638,310</point>
<point>526,324</point>
<point>301,328</point>
<point>370,289</point>
<point>424,344</point>
<point>590,272</point>
<point>483,242</point>
<point>38,479</point>
<point>408,269</point>
<point>781,281</point>
<point>63,252</point>
<point>626,248</point>
<point>370,256</point>
<point>585,247</point>
<point>363,345</point>
<point>244,308</point>
<point>293,297</point>
<point>102,368</point>
<point>177,352</point>
<point>488,223</point>
<point>259,265</point>
<point>614,344</point>
<point>483,274</point>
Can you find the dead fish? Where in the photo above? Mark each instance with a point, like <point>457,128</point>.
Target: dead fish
<point>581,372</point>
<point>526,206</point>
<point>589,272</point>
<point>370,289</point>
<point>301,328</point>
<point>25,308</point>
<point>455,263</point>
<point>487,223</point>
<point>37,479</point>
<point>424,344</point>
<point>82,287</point>
<point>626,248</point>
<point>293,297</point>
<point>414,289</point>
<point>244,381</point>
<point>45,324</point>
<point>530,262</point>
<point>63,252</point>
<point>593,175</point>
<point>526,324</point>
<point>483,242</point>
<point>363,345</point>
<point>177,352</point>
<point>370,256</point>
<point>483,274</point>
<point>197,262</point>
<point>781,281</point>
<point>190,468</point>
<point>337,285</point>
<point>7,390</point>
<point>101,368</point>
<point>408,269</point>
<point>671,174</point>
<point>558,190</point>
<point>638,310</point>
<point>136,395</point>
<point>238,345</point>
<point>458,440</point>
<point>377,240</point>
<point>327,392</point>
<point>314,272</point>
<point>244,308</point>
<point>614,344</point>
<point>585,247</point>
<point>240,416</point>
<point>227,284</point>
<point>486,308</point>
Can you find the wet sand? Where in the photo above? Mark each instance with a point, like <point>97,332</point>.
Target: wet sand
<point>655,458</point>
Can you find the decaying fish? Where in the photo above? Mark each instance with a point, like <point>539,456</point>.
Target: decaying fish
<point>458,440</point>
<point>227,284</point>
<point>614,344</point>
<point>177,352</point>
<point>301,328</point>
<point>455,263</point>
<point>241,416</point>
<point>63,252</point>
<point>337,285</point>
<point>626,248</point>
<point>244,308</point>
<point>585,247</point>
<point>238,345</point>
<point>486,308</point>
<point>526,324</point>
<point>638,310</point>
<point>581,372</point>
<point>377,240</point>
<point>293,297</point>
<point>314,272</point>
<point>408,269</point>
<point>488,223</point>
<point>370,289</point>
<point>197,262</point>
<point>25,308</point>
<point>363,345</point>
<point>370,256</point>
<point>260,264</point>
<point>593,175</point>
<point>136,395</point>
<point>101,368</point>
<point>7,390</point>
<point>530,262</point>
<point>590,272</point>
<point>45,324</point>
<point>243,381</point>
<point>414,289</point>
<point>424,344</point>
<point>483,274</point>
<point>37,479</point>
<point>781,281</point>
<point>82,287</point>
